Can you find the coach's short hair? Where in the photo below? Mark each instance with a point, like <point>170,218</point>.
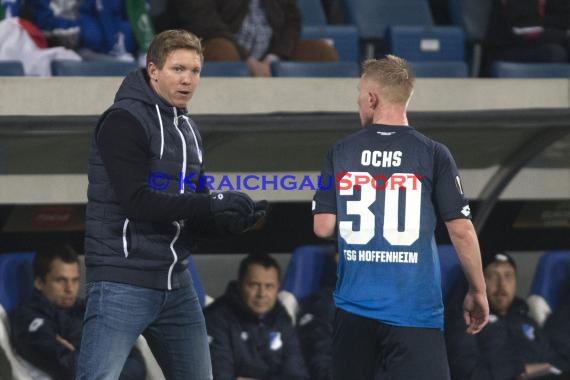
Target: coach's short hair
<point>166,42</point>
<point>393,75</point>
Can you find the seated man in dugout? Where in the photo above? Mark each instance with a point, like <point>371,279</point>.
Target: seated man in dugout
<point>251,335</point>
<point>511,346</point>
<point>46,331</point>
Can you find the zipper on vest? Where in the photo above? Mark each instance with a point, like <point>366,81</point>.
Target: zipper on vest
<point>125,243</point>
<point>169,285</point>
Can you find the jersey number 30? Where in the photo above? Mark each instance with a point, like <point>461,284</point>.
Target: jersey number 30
<point>368,195</point>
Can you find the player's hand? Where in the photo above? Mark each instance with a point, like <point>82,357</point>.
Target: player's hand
<point>475,311</point>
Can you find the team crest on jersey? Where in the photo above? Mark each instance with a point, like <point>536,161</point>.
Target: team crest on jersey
<point>275,341</point>
<point>36,324</point>
<point>528,331</point>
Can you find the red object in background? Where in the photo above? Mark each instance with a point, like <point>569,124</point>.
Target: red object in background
<point>35,34</point>
<point>52,217</point>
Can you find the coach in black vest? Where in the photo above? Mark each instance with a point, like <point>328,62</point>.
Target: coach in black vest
<point>144,205</point>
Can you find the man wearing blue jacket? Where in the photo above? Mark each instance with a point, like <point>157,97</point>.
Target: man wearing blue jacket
<point>251,335</point>
<point>511,345</point>
<point>47,330</point>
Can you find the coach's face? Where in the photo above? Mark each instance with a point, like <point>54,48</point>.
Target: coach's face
<point>177,80</point>
<point>365,101</point>
<point>259,289</point>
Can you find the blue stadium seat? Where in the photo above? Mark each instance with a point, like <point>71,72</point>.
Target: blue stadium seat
<point>550,285</point>
<point>440,69</point>
<point>343,37</point>
<point>16,279</point>
<point>472,16</point>
<point>196,281</point>
<point>501,69</point>
<point>307,268</point>
<point>315,69</point>
<point>91,68</point>
<point>224,69</point>
<point>419,43</point>
<point>11,69</point>
<point>312,12</point>
<point>372,17</point>
<point>450,267</point>
<point>552,277</point>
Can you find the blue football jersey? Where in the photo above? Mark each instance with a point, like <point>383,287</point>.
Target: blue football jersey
<point>386,185</point>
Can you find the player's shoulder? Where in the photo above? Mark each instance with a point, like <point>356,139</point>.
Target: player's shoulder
<point>352,138</point>
<point>436,146</point>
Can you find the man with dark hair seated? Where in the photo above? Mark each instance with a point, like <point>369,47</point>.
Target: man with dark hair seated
<point>47,330</point>
<point>250,333</point>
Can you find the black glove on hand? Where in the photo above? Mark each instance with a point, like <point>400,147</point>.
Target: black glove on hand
<point>233,212</point>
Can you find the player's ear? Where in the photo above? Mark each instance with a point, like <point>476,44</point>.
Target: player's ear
<point>373,99</point>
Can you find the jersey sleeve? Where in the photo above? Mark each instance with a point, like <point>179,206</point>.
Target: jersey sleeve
<point>449,196</point>
<point>324,201</point>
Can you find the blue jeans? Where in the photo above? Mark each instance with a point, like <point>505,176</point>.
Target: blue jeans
<point>171,321</point>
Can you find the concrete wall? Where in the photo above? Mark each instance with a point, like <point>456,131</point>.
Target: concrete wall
<point>91,96</point>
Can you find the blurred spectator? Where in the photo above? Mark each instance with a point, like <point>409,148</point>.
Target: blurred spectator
<point>511,345</point>
<point>47,330</point>
<point>256,31</point>
<point>20,40</point>
<point>250,333</point>
<point>99,26</point>
<point>517,32</point>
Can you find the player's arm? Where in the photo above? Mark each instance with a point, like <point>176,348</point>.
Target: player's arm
<point>324,225</point>
<point>324,203</point>
<point>475,306</point>
<point>454,210</point>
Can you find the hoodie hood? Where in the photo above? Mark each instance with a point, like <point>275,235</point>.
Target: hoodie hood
<point>136,86</point>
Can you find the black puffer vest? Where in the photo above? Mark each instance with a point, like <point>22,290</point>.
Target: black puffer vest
<point>141,253</point>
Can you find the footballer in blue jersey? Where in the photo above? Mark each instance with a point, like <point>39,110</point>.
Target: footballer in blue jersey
<point>387,184</point>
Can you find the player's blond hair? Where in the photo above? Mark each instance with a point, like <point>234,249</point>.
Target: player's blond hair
<point>393,75</point>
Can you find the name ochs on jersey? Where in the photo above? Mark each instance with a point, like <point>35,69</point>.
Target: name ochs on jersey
<point>381,158</point>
